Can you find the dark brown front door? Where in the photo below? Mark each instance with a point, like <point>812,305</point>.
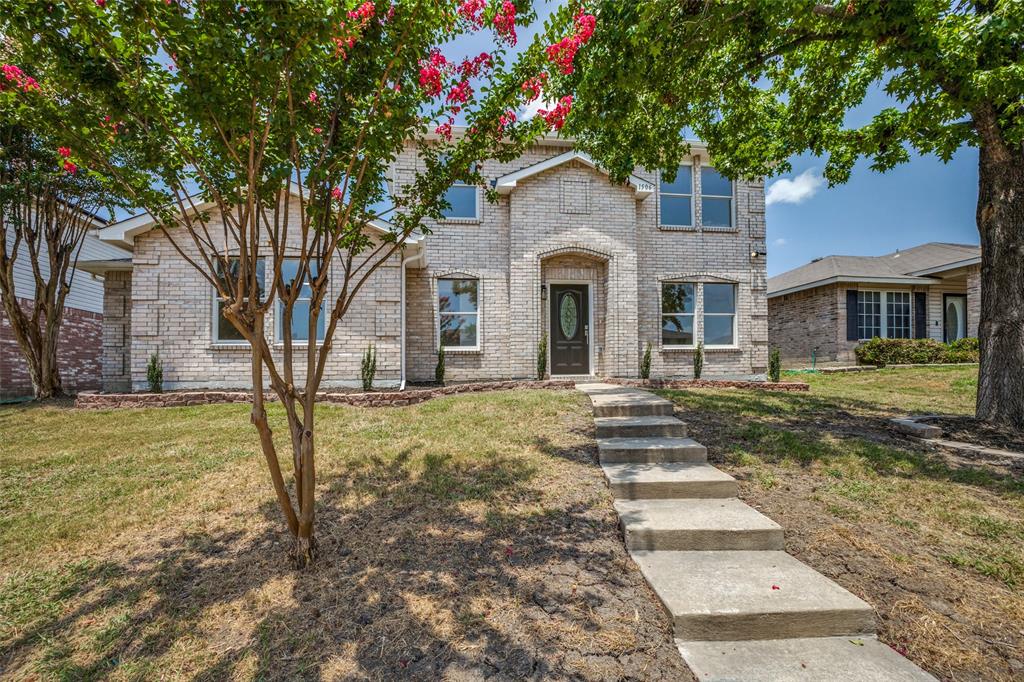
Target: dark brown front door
<point>570,328</point>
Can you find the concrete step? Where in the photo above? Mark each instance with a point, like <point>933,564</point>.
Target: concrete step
<point>697,525</point>
<point>650,450</point>
<point>821,659</point>
<point>632,404</point>
<point>668,480</point>
<point>639,427</point>
<point>733,596</point>
<point>596,387</point>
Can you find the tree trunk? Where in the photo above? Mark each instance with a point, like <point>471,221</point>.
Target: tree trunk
<point>1001,325</point>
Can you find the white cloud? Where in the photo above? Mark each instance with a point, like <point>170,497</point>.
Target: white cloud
<point>796,190</point>
<point>779,242</point>
<point>531,108</point>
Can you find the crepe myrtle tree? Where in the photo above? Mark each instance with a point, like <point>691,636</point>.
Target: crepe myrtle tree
<point>761,81</point>
<point>285,118</point>
<point>47,206</point>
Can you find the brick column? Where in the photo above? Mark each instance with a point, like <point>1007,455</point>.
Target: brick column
<point>117,331</point>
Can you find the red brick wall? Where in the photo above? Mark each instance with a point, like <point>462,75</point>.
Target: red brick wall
<point>78,354</point>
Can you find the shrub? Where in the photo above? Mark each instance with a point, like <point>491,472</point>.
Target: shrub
<point>882,352</point>
<point>439,369</point>
<point>645,363</point>
<point>698,360</point>
<point>774,365</point>
<point>542,357</point>
<point>369,368</point>
<point>155,373</point>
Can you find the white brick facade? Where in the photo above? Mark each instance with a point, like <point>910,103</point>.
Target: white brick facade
<point>565,223</point>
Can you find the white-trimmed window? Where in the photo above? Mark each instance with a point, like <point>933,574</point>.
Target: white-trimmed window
<point>301,307</point>
<point>223,331</point>
<point>716,199</point>
<point>885,314</point>
<point>869,314</point>
<point>678,307</point>
<point>719,314</point>
<point>462,201</point>
<point>675,199</point>
<point>458,305</point>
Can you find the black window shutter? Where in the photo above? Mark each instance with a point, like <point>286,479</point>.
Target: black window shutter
<point>920,314</point>
<point>851,315</point>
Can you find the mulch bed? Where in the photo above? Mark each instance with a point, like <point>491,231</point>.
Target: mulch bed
<point>970,430</point>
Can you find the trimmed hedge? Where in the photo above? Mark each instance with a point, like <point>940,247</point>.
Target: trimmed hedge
<point>882,352</point>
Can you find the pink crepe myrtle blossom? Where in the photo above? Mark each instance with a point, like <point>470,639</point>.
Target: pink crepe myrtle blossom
<point>533,86</point>
<point>444,130</point>
<point>318,130</point>
<point>472,11</point>
<point>506,119</point>
<point>555,118</point>
<point>101,3</point>
<point>336,193</point>
<point>564,51</point>
<point>431,71</point>
<point>505,22</point>
<point>313,98</point>
<point>16,77</point>
<point>70,167</point>
<point>65,152</point>
<point>364,12</point>
<point>472,67</point>
<point>460,93</point>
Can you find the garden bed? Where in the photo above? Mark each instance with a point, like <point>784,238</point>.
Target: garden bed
<point>710,383</point>
<point>970,430</point>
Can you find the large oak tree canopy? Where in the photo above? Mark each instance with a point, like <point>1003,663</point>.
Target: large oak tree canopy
<point>762,81</point>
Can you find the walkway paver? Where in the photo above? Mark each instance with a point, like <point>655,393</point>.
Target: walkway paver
<point>742,609</point>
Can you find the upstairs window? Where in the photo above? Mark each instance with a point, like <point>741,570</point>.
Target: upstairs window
<point>301,308</point>
<point>716,199</point>
<point>458,313</point>
<point>678,306</point>
<point>463,202</point>
<point>223,331</point>
<point>676,199</point>
<point>719,314</point>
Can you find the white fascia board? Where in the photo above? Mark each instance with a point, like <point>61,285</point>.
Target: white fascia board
<point>976,260</point>
<point>843,279</point>
<point>506,183</point>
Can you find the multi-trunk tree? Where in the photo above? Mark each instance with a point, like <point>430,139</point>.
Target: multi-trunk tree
<point>264,132</point>
<point>47,206</point>
<point>761,81</point>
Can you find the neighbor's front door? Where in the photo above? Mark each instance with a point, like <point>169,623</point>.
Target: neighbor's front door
<point>570,328</point>
<point>954,315</point>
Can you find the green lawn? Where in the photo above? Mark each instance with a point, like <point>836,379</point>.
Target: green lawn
<point>935,543</point>
<point>146,544</point>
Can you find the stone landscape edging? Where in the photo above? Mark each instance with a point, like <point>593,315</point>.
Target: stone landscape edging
<point>931,435</point>
<point>97,401</point>
<point>710,383</point>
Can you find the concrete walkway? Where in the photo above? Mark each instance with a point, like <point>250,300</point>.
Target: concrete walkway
<point>741,607</point>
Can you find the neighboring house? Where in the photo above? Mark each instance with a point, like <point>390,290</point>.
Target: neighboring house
<point>832,304</point>
<point>80,346</point>
<point>614,266</point>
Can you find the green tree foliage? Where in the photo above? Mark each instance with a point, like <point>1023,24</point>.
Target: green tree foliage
<point>208,113</point>
<point>762,81</point>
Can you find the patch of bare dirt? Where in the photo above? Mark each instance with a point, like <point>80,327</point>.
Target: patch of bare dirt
<point>970,430</point>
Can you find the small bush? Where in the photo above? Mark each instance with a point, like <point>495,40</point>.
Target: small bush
<point>155,373</point>
<point>774,365</point>
<point>439,369</point>
<point>882,352</point>
<point>542,357</point>
<point>698,360</point>
<point>645,363</point>
<point>369,367</point>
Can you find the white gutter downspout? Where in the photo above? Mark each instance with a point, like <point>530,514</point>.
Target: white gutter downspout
<point>401,298</point>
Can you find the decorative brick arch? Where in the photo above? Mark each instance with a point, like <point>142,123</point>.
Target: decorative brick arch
<point>575,250</point>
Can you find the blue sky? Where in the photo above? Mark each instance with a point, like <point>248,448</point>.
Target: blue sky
<point>872,214</point>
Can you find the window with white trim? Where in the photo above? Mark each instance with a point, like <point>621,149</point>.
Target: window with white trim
<point>223,331</point>
<point>675,199</point>
<point>869,314</point>
<point>678,307</point>
<point>719,314</point>
<point>458,305</point>
<point>716,196</point>
<point>301,307</point>
<point>885,314</point>
<point>463,201</point>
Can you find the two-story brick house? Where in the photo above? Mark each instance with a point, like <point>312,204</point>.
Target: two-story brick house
<point>601,268</point>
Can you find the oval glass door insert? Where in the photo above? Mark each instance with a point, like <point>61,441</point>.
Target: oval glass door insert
<point>568,315</point>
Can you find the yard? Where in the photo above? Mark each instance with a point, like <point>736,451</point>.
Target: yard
<point>473,536</point>
<point>462,537</point>
<point>933,542</point>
